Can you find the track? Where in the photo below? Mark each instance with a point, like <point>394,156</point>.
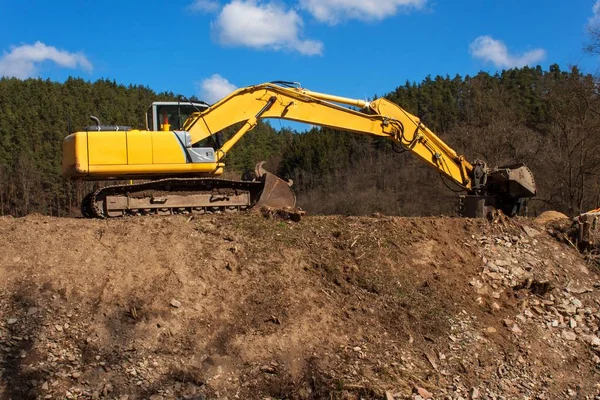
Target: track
<point>172,196</point>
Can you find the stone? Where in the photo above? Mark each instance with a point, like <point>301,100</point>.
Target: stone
<point>175,303</point>
<point>424,393</point>
<point>475,393</point>
<point>572,323</point>
<point>567,335</point>
<point>11,321</point>
<point>496,276</point>
<point>593,340</point>
<point>492,267</point>
<point>531,232</point>
<point>476,283</point>
<point>76,375</point>
<point>32,310</point>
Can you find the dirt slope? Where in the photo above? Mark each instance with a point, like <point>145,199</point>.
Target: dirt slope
<point>245,307</point>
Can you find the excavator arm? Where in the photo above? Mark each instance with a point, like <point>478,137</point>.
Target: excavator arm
<point>379,118</point>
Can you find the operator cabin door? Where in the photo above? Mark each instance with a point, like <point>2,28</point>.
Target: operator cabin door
<point>169,117</point>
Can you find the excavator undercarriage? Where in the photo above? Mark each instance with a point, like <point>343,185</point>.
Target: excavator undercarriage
<point>189,196</point>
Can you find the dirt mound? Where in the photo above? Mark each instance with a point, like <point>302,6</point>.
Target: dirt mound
<point>549,216</point>
<point>241,306</point>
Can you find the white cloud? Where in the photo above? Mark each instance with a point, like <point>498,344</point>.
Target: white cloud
<point>259,25</point>
<point>214,88</point>
<point>204,6</point>
<point>333,11</point>
<point>595,18</point>
<point>495,51</point>
<point>23,61</point>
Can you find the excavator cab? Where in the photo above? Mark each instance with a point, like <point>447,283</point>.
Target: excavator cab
<point>172,112</point>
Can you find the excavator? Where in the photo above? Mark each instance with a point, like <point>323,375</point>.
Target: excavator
<point>179,162</point>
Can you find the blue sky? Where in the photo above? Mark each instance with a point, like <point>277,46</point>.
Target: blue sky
<point>353,48</point>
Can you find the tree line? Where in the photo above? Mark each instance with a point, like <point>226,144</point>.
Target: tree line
<point>547,119</point>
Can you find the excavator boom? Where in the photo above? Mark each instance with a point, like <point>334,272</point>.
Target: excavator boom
<point>106,153</point>
<point>380,118</point>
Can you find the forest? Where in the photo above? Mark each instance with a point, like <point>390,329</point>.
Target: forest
<point>547,119</point>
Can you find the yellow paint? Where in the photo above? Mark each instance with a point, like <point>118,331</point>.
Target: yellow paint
<point>107,148</point>
<point>75,156</point>
<point>148,169</point>
<point>139,147</point>
<point>166,149</point>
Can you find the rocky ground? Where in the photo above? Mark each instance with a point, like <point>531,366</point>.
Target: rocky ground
<point>248,307</point>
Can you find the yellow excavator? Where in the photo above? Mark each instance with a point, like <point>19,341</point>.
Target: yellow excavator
<point>180,160</point>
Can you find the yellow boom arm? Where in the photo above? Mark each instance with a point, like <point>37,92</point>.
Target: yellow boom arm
<point>380,118</point>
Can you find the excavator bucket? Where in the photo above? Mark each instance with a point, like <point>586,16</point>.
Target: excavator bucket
<point>508,188</point>
<point>516,181</point>
<point>276,192</point>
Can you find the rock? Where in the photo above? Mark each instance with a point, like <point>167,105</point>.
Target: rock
<point>490,329</point>
<point>357,349</point>
<point>268,369</point>
<point>175,303</point>
<point>593,340</point>
<point>476,283</point>
<point>424,393</point>
<point>474,393</point>
<point>45,386</point>
<point>495,276</point>
<point>11,321</point>
<point>389,396</point>
<point>572,323</point>
<point>576,302</point>
<point>492,267</point>
<point>32,310</point>
<point>76,375</point>
<point>531,232</point>
<point>502,263</point>
<point>567,335</point>
<point>58,328</point>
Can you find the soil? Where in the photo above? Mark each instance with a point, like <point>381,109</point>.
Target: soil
<point>248,307</point>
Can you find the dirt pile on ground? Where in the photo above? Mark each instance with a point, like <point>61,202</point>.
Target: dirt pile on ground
<point>248,307</point>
